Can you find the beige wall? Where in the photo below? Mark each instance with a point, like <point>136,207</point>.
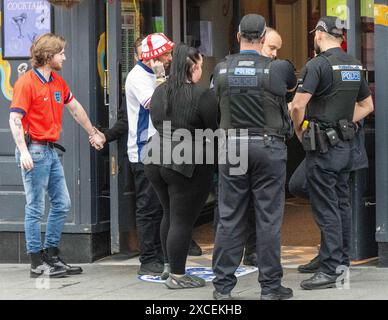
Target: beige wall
<point>212,10</point>
<point>255,6</point>
<point>291,22</point>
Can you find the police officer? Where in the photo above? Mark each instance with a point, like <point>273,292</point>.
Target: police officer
<point>252,95</point>
<point>336,96</point>
<point>298,187</point>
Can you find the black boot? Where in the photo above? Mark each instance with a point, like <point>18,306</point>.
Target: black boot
<point>311,267</point>
<point>321,280</point>
<point>250,259</point>
<point>52,255</point>
<point>40,267</point>
<point>194,249</point>
<point>280,293</point>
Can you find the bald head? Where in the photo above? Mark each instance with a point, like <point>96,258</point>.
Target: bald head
<point>273,43</point>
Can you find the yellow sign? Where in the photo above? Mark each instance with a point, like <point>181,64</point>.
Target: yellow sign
<point>381,15</point>
<point>5,77</point>
<point>337,8</point>
<point>101,56</point>
<point>367,8</point>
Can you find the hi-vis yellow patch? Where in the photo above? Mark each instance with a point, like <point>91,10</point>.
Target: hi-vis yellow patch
<point>381,15</point>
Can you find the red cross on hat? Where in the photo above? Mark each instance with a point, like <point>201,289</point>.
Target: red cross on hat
<point>155,45</point>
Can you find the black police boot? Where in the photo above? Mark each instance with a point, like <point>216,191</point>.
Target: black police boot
<point>320,280</point>
<point>194,250</point>
<point>311,267</point>
<point>151,269</point>
<point>280,293</point>
<point>52,255</point>
<point>250,259</point>
<point>39,267</point>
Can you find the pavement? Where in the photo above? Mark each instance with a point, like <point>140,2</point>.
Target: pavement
<point>115,278</point>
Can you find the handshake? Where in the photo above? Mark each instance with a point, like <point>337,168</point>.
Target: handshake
<point>97,139</point>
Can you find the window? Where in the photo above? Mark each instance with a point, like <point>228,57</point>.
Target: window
<point>138,18</point>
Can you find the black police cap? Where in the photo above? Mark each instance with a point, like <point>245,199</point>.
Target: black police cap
<point>253,26</point>
<point>331,25</point>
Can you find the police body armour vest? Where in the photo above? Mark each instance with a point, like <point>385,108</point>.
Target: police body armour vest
<point>245,100</point>
<point>340,102</point>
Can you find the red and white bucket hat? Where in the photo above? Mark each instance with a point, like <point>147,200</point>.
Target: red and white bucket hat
<point>155,45</point>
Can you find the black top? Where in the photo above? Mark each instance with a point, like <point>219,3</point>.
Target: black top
<point>121,125</point>
<point>282,77</point>
<point>317,76</point>
<point>202,113</point>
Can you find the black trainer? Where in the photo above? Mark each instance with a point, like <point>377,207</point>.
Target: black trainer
<point>194,250</point>
<point>320,280</point>
<point>151,269</point>
<point>52,255</point>
<point>280,293</point>
<point>40,267</point>
<point>250,259</point>
<point>311,267</point>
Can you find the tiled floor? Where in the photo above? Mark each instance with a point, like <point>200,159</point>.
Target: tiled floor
<point>300,240</point>
<point>291,256</point>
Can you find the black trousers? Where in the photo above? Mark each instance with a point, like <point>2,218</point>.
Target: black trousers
<point>182,199</point>
<point>328,186</point>
<point>298,187</point>
<point>149,214</point>
<point>298,182</point>
<point>250,242</point>
<point>264,183</point>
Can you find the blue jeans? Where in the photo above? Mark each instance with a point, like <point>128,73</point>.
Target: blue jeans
<point>46,176</point>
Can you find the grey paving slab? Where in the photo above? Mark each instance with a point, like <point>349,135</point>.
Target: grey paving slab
<point>120,282</point>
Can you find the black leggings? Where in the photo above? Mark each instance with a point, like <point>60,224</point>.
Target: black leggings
<point>182,200</point>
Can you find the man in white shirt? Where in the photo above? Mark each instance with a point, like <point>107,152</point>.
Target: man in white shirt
<point>139,88</point>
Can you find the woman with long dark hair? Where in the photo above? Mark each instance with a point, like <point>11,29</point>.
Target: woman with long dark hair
<point>182,186</point>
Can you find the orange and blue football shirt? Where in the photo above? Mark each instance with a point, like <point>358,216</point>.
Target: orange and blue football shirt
<point>41,103</point>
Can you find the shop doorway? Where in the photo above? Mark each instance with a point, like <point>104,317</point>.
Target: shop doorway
<point>217,22</point>
<point>211,26</point>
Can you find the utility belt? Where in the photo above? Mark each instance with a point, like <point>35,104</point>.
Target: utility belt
<point>49,144</point>
<point>319,136</point>
<point>266,138</point>
<point>256,132</point>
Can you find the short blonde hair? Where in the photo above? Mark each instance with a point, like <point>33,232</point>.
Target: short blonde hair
<point>45,47</point>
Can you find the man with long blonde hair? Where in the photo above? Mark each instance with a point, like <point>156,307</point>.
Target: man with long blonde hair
<point>36,120</point>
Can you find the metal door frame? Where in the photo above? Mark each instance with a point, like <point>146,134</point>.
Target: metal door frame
<point>113,66</point>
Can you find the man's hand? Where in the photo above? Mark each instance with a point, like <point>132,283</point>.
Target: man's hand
<point>26,161</point>
<point>97,140</point>
<point>158,68</point>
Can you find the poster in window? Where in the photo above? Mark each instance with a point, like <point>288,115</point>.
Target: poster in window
<point>23,21</point>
